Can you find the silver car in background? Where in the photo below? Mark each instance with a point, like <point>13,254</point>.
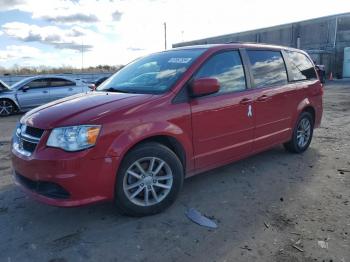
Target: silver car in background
<point>37,90</point>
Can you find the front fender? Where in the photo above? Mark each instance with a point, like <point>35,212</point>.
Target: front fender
<point>12,97</point>
<point>129,138</point>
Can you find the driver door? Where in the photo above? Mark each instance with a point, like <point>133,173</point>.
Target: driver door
<point>223,123</point>
<point>37,94</point>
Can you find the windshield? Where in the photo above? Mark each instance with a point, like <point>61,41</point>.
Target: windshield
<point>152,74</point>
<point>19,83</point>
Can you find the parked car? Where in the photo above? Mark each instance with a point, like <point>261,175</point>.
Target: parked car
<point>37,90</point>
<point>134,143</point>
<point>321,71</point>
<point>100,80</point>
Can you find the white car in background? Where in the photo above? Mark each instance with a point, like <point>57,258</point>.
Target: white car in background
<point>37,90</point>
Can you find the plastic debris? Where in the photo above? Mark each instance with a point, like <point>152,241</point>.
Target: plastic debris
<point>246,247</point>
<point>298,248</point>
<point>199,219</point>
<point>343,170</point>
<point>322,244</point>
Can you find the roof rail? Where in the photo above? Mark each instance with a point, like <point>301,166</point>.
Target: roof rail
<point>248,42</point>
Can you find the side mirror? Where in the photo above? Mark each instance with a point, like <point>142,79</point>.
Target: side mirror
<point>204,86</point>
<point>25,88</point>
<point>92,87</point>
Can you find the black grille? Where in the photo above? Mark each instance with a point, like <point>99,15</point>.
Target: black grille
<point>44,188</point>
<point>28,146</point>
<point>33,131</point>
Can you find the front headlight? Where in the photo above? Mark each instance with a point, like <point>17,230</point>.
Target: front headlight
<point>74,138</point>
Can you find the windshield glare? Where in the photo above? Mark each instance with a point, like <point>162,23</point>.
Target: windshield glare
<point>153,74</point>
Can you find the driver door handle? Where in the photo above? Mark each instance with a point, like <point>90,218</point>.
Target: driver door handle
<point>45,91</point>
<point>246,101</point>
<point>263,98</point>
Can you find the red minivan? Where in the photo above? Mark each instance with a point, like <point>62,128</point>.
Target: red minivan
<point>165,117</point>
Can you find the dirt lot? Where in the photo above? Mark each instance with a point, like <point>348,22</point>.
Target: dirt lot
<point>263,205</point>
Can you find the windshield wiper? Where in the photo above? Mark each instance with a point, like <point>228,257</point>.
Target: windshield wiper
<point>112,89</point>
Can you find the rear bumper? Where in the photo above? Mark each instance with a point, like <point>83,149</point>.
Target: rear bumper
<point>66,180</point>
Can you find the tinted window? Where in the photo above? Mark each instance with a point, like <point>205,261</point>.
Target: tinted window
<point>57,82</point>
<point>268,68</point>
<point>301,66</point>
<point>227,69</point>
<point>39,83</point>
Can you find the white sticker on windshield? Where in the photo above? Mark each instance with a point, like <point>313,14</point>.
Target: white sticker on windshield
<point>179,60</point>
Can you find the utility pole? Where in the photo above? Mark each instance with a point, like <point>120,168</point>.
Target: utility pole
<point>82,56</point>
<point>165,44</point>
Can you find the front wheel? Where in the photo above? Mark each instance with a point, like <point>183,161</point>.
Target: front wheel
<point>149,180</point>
<point>7,107</point>
<point>302,134</point>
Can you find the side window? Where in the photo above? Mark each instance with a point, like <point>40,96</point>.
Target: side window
<point>38,83</point>
<point>227,68</point>
<point>301,66</point>
<point>57,82</point>
<point>268,68</point>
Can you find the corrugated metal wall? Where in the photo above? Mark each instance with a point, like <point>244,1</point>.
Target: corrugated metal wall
<point>323,38</point>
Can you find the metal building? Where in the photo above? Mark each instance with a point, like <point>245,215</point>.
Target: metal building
<point>323,38</point>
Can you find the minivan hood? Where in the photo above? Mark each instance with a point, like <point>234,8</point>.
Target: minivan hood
<point>84,108</point>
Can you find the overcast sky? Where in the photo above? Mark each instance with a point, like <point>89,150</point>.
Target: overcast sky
<point>52,32</point>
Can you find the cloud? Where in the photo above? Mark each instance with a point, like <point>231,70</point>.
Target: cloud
<point>68,11</point>
<point>18,52</point>
<point>135,48</point>
<point>51,35</point>
<point>74,46</point>
<point>27,56</point>
<point>10,4</point>
<point>73,18</point>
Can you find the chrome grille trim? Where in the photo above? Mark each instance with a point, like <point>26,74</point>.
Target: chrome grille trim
<point>21,136</point>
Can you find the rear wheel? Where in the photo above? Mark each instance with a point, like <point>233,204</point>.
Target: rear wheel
<point>149,180</point>
<point>7,107</point>
<point>302,134</point>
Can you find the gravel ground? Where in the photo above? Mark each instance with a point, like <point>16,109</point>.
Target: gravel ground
<point>274,206</point>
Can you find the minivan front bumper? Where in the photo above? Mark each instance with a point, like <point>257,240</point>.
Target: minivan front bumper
<point>65,179</point>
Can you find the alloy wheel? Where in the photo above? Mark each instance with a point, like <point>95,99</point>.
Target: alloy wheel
<point>148,181</point>
<point>6,108</point>
<point>303,132</point>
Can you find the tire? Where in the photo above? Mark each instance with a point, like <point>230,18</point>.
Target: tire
<point>300,131</point>
<point>152,189</point>
<point>7,107</point>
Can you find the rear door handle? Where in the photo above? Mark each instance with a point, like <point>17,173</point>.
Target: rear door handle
<point>246,101</point>
<point>70,89</point>
<point>263,98</point>
<point>45,91</point>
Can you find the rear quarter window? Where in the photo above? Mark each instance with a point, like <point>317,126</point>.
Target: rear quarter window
<point>301,67</point>
<point>58,82</point>
<point>268,68</point>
